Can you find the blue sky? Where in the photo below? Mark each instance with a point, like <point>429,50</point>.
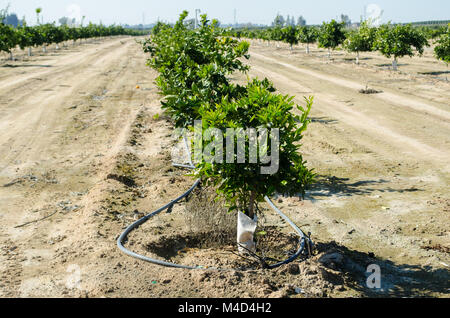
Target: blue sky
<point>256,11</point>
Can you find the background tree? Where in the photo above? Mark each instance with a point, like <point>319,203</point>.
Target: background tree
<point>64,21</point>
<point>301,21</point>
<point>38,12</point>
<point>290,35</point>
<point>331,35</point>
<point>276,34</point>
<point>307,35</point>
<point>361,40</point>
<point>442,49</point>
<point>74,34</point>
<point>25,35</point>
<point>434,33</point>
<point>51,34</point>
<point>266,36</point>
<point>8,39</point>
<point>290,21</point>
<point>345,18</point>
<point>399,41</point>
<point>8,35</point>
<point>279,21</point>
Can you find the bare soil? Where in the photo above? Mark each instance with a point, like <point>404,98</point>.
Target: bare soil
<point>86,151</point>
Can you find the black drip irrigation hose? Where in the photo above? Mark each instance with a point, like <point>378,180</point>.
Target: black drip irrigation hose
<point>123,237</point>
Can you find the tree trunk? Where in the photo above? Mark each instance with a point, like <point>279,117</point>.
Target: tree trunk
<point>29,51</point>
<point>11,56</point>
<point>357,58</point>
<point>251,206</point>
<point>307,48</point>
<point>329,53</point>
<point>44,49</point>
<point>395,64</point>
<point>446,78</point>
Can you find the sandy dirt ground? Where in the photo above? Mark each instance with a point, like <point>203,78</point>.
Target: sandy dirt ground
<point>85,151</point>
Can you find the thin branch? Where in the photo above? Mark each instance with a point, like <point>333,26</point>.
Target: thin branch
<point>242,256</point>
<point>28,223</point>
<point>261,260</point>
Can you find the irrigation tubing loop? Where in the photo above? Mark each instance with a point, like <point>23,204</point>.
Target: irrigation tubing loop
<point>304,240</point>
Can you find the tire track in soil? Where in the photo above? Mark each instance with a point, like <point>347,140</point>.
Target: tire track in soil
<point>37,118</point>
<point>386,96</point>
<point>73,59</point>
<point>330,106</point>
<point>362,220</point>
<point>35,279</point>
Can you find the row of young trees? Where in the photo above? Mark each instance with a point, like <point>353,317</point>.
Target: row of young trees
<point>194,68</point>
<point>46,34</point>
<point>390,40</point>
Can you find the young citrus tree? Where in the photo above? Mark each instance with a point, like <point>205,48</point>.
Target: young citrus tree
<point>8,39</point>
<point>74,34</point>
<point>361,40</point>
<point>276,34</point>
<point>307,35</point>
<point>241,180</point>
<point>194,66</point>
<point>25,35</point>
<point>266,36</point>
<point>331,35</point>
<point>399,41</point>
<point>59,35</point>
<point>289,35</point>
<point>442,49</point>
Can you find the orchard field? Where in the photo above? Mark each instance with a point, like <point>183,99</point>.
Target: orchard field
<point>86,150</point>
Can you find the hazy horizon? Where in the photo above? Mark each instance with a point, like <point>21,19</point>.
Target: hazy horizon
<point>134,12</point>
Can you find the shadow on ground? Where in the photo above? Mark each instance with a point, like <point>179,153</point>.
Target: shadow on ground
<point>352,59</point>
<point>330,185</point>
<point>323,120</point>
<point>435,73</point>
<point>397,280</point>
<point>390,65</point>
<point>25,65</point>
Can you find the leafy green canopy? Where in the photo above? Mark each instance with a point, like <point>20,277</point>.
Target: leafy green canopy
<point>51,33</point>
<point>8,38</point>
<point>194,66</point>
<point>331,34</point>
<point>259,107</point>
<point>442,49</point>
<point>29,36</point>
<point>361,40</point>
<point>289,35</point>
<point>399,40</point>
<point>308,34</point>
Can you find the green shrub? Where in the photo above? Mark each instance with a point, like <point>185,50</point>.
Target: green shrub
<point>243,184</point>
